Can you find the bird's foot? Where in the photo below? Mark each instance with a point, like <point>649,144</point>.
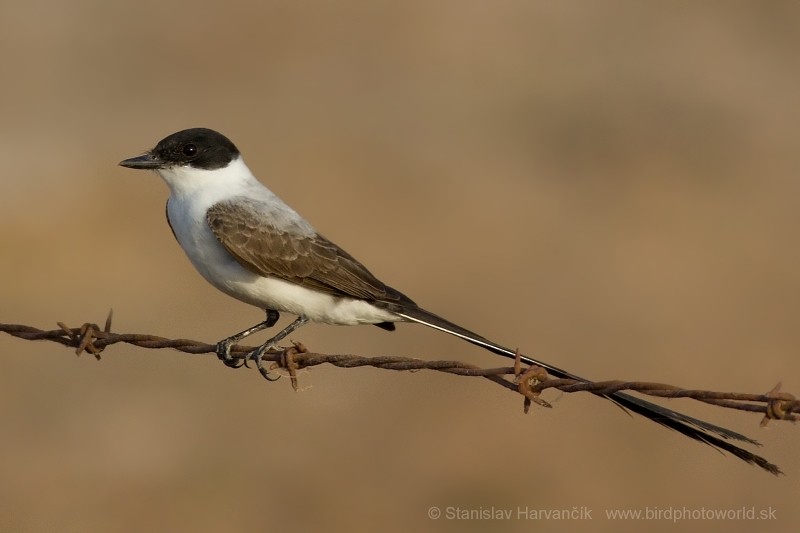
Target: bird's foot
<point>257,356</point>
<point>224,346</point>
<point>224,353</point>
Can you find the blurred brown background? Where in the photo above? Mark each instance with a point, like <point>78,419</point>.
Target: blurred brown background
<point>612,186</point>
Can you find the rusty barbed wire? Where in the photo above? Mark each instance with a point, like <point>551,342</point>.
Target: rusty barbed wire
<point>530,382</point>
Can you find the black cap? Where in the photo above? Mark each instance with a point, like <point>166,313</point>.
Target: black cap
<point>195,147</point>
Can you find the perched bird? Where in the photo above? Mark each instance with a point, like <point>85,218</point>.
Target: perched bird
<point>249,244</point>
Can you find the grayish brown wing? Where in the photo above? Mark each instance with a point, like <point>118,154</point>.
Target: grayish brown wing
<point>251,236</point>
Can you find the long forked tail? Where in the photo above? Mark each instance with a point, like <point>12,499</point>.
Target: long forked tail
<point>693,428</point>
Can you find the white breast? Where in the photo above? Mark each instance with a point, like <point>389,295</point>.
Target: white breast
<point>193,192</point>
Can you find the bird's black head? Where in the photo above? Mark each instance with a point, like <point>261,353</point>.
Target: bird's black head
<point>200,148</point>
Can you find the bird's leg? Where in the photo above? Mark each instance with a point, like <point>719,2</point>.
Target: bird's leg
<point>261,350</point>
<point>224,346</point>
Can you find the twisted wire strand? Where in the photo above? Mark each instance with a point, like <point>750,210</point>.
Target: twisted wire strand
<point>529,382</point>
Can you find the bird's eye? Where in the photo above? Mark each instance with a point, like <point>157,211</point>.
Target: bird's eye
<point>189,150</point>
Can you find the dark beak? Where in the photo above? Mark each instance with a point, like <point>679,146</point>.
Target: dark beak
<point>145,162</point>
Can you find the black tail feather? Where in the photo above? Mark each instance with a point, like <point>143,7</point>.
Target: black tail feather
<point>693,428</point>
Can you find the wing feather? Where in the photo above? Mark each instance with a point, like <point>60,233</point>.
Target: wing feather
<point>248,232</point>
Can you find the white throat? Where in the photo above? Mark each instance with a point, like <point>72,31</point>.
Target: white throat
<point>222,182</point>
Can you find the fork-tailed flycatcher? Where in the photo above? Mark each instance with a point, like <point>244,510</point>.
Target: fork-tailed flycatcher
<point>249,244</point>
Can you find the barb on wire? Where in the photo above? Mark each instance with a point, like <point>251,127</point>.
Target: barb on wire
<point>529,382</point>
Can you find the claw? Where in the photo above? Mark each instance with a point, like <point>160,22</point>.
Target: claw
<point>232,363</point>
<point>256,355</point>
<point>269,376</point>
<point>266,372</point>
<point>224,353</point>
